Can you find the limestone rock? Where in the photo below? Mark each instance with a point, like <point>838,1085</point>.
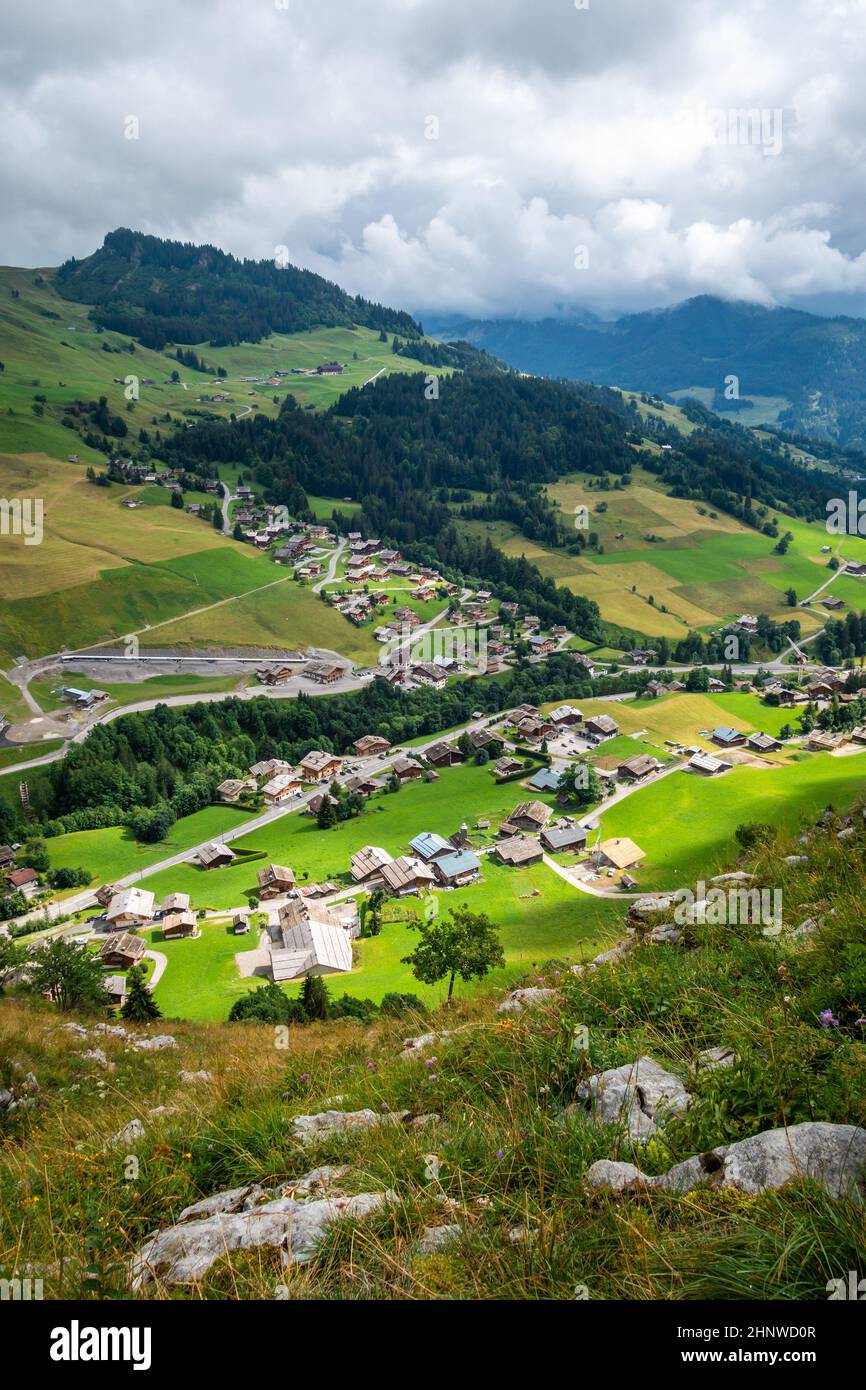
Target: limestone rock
<point>641,1093</point>
<point>832,1155</point>
<point>184,1253</point>
<point>308,1128</point>
<point>520,999</point>
<point>714,1057</point>
<point>435,1239</point>
<point>189,1078</point>
<point>155,1044</point>
<point>130,1133</point>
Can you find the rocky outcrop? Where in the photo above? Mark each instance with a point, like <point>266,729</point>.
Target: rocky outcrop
<point>156,1044</point>
<point>832,1155</point>
<point>641,1094</point>
<point>239,1220</point>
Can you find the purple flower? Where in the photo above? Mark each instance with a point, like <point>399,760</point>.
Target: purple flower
<point>827,1020</point>
<point>371,1066</point>
<point>304,1076</point>
<point>385,1105</point>
<point>860,1023</point>
<point>500,1153</point>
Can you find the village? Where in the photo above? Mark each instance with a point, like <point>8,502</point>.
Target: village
<point>295,923</point>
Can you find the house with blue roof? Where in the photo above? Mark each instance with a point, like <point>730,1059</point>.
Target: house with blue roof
<point>429,846</point>
<point>545,780</point>
<point>727,738</point>
<point>457,868</point>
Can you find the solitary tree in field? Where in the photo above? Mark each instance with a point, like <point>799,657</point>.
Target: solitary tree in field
<point>139,1004</point>
<point>464,943</point>
<point>70,975</point>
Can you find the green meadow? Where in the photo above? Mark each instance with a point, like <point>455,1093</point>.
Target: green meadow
<point>114,853</point>
<point>686,824</point>
<point>390,819</point>
<point>539,917</point>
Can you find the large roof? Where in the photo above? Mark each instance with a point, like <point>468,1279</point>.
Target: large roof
<point>405,872</point>
<point>622,853</point>
<point>428,845</point>
<point>133,902</point>
<point>369,860</point>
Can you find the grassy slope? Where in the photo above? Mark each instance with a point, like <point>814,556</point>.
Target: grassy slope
<point>510,1152</point>
<point>686,824</point>
<point>703,570</point>
<point>103,570</point>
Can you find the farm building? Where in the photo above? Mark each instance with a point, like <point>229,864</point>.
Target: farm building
<point>407,769</point>
<point>367,863</point>
<point>429,846</point>
<point>121,948</point>
<point>519,850</point>
<point>233,788</point>
<point>727,737</point>
<point>407,875</point>
<point>545,780</point>
<point>763,743</point>
<point>215,855</point>
<point>565,717</point>
<point>530,815</point>
<point>458,868</point>
<point>443,755</point>
<point>130,908</point>
<point>706,764</point>
<point>115,988</point>
<point>24,881</point>
<point>310,939</point>
<point>178,924</point>
<point>174,902</point>
<point>560,838</point>
<point>637,768</point>
<point>601,726</point>
<point>620,853</point>
<point>274,880</point>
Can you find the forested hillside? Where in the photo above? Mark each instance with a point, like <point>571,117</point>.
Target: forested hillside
<point>815,363</point>
<point>170,291</point>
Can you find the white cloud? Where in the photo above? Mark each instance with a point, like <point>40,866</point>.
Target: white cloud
<point>307,126</point>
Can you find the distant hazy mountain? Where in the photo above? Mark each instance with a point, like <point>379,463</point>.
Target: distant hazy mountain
<point>817,364</point>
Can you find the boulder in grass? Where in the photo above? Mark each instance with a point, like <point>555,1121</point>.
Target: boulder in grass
<point>834,1156</point>
<point>639,1094</point>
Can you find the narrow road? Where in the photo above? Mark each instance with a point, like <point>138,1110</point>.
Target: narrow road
<point>328,577</point>
<point>228,498</point>
<point>160,961</point>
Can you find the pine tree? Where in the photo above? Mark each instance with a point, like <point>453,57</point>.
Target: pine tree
<point>314,997</point>
<point>139,1005</point>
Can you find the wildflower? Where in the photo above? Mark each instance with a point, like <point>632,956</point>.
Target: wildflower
<point>304,1076</point>
<point>385,1105</point>
<point>827,1020</point>
<point>500,1154</point>
<point>371,1066</point>
<point>431,1076</point>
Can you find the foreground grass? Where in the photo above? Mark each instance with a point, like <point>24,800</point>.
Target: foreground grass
<point>509,1155</point>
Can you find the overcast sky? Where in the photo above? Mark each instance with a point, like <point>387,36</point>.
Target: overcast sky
<point>482,156</point>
